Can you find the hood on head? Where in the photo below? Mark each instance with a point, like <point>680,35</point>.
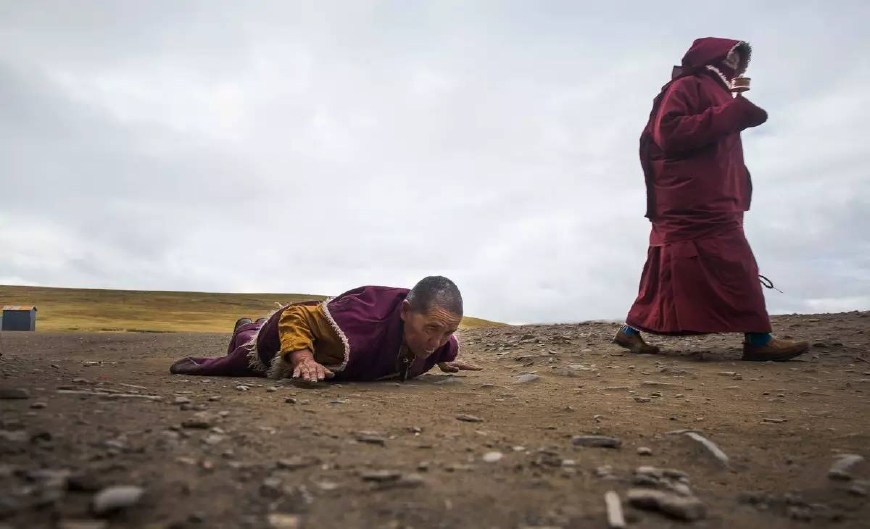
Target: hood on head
<point>712,51</point>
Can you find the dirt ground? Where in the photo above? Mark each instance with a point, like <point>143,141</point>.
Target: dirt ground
<point>210,453</point>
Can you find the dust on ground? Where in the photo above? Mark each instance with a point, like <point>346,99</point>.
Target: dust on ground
<point>497,448</point>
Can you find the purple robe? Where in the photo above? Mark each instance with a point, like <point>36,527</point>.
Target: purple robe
<point>366,319</point>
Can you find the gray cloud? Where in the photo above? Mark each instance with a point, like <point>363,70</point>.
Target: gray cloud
<point>217,146</point>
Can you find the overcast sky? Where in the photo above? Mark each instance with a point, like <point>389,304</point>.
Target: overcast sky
<point>318,146</point>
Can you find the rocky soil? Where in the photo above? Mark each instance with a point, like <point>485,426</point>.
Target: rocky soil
<point>561,430</point>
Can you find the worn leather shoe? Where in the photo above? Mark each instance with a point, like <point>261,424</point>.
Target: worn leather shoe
<point>774,351</point>
<point>240,322</point>
<point>634,343</point>
<point>185,366</point>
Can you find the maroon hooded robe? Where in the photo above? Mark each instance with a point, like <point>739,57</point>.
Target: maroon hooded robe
<point>700,275</point>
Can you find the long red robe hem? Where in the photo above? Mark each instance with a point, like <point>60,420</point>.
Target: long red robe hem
<point>701,286</point>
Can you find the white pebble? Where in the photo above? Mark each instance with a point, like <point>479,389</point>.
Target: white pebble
<point>492,457</point>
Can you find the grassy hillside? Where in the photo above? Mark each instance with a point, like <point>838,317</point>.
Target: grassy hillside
<point>75,309</point>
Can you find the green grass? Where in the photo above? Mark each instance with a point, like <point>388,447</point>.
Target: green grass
<point>93,310</point>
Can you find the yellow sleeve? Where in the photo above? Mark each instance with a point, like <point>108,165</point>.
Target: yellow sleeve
<point>295,329</point>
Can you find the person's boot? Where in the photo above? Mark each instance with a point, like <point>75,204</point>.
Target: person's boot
<point>775,350</point>
<point>185,366</point>
<point>634,343</point>
<point>240,322</point>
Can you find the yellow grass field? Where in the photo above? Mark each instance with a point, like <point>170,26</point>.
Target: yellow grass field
<point>93,310</point>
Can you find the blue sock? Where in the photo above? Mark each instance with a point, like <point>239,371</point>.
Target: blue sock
<point>631,331</point>
<point>758,338</point>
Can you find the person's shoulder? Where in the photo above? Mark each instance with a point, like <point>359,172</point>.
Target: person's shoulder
<point>690,89</point>
<point>689,82</point>
<point>377,289</point>
<point>372,292</point>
